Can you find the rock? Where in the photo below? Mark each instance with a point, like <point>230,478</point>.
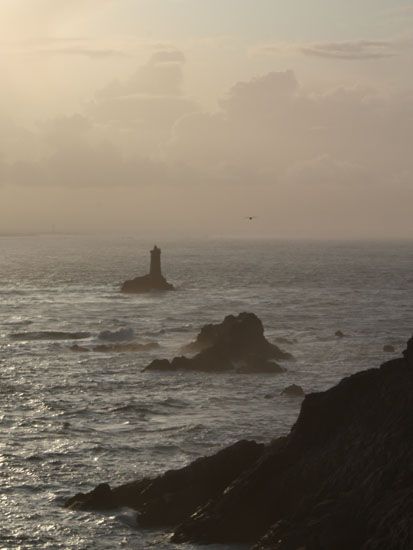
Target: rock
<point>342,479</point>
<point>101,498</point>
<point>408,352</point>
<point>238,344</point>
<point>168,499</point>
<point>153,281</point>
<point>293,391</point>
<point>286,341</point>
<point>339,334</point>
<point>123,348</point>
<point>80,349</point>
<point>160,365</point>
<point>50,335</point>
<point>389,348</point>
<point>117,335</point>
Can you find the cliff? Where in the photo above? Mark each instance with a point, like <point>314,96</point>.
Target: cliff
<point>341,480</point>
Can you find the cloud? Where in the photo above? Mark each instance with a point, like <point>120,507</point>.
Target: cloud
<point>92,48</point>
<point>87,52</point>
<point>362,49</point>
<point>117,140</point>
<point>306,160</point>
<point>328,171</point>
<point>85,166</point>
<point>167,56</point>
<point>146,105</point>
<point>346,50</point>
<point>270,130</point>
<point>264,90</point>
<point>161,76</point>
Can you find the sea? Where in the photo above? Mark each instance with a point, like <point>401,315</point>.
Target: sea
<point>70,420</point>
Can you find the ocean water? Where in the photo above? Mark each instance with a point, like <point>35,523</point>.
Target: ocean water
<point>71,420</point>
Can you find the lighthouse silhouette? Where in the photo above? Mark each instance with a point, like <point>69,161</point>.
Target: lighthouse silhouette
<point>155,269</point>
<point>153,281</point>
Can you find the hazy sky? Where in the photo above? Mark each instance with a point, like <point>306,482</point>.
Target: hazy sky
<point>181,117</point>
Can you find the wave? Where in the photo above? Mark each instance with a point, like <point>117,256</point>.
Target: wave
<point>13,292</point>
<point>132,407</point>
<point>174,403</point>
<point>117,335</point>
<point>21,323</point>
<point>49,335</point>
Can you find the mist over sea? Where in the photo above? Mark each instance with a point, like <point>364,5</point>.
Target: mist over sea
<point>70,420</point>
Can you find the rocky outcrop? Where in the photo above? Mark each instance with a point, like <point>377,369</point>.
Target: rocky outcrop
<point>293,391</point>
<point>153,281</point>
<point>408,352</point>
<point>238,343</point>
<point>341,480</point>
<point>170,498</point>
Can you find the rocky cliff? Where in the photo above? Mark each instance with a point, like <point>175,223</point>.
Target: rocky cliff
<point>341,480</point>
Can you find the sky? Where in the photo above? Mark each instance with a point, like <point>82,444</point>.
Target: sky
<point>182,117</point>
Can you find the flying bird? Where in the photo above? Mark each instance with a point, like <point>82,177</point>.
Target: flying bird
<point>250,218</point>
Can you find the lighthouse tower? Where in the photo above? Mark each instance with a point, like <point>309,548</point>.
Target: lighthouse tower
<point>155,270</point>
<point>153,281</point>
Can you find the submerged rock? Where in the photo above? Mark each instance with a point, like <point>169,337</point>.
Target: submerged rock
<point>50,335</point>
<point>238,344</point>
<point>80,349</point>
<point>116,347</point>
<point>117,335</point>
<point>293,391</point>
<point>153,281</point>
<point>341,480</point>
<point>389,348</point>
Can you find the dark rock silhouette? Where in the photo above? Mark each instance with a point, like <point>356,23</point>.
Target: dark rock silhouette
<point>339,334</point>
<point>116,347</point>
<point>153,281</point>
<point>117,335</point>
<point>80,349</point>
<point>341,480</point>
<point>238,343</point>
<point>171,497</point>
<point>50,335</point>
<point>389,348</point>
<point>408,352</point>
<point>293,391</point>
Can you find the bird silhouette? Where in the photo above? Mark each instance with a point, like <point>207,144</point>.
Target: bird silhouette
<point>250,218</point>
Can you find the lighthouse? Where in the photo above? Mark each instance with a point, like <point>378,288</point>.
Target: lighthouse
<point>155,269</point>
<point>153,281</point>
